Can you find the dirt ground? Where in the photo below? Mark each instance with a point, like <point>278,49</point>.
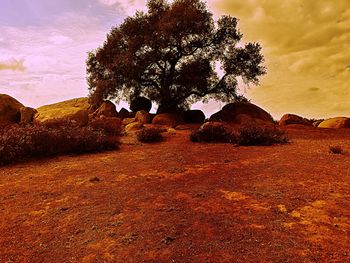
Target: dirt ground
<point>179,201</point>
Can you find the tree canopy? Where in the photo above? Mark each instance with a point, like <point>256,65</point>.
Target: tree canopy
<point>170,55</point>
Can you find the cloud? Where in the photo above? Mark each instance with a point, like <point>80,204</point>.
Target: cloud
<point>13,64</point>
<point>305,44</point>
<point>126,7</point>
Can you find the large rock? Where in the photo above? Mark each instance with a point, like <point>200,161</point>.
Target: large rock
<point>124,113</point>
<point>194,116</point>
<point>168,119</point>
<point>134,126</point>
<point>230,112</point>
<point>27,114</point>
<point>106,109</point>
<point>288,119</point>
<point>338,122</point>
<point>75,110</point>
<point>140,103</point>
<point>9,109</point>
<point>127,121</point>
<point>143,117</point>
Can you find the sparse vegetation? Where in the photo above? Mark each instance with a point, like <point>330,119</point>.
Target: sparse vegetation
<point>248,135</point>
<point>261,135</point>
<point>149,135</point>
<point>335,149</point>
<point>109,125</point>
<point>213,133</point>
<point>19,142</point>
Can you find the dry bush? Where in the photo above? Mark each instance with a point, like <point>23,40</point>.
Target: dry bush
<point>261,135</point>
<point>213,133</point>
<point>19,142</point>
<point>149,135</point>
<point>109,125</point>
<point>335,150</point>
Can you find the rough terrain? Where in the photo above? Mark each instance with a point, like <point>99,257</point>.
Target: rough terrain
<point>178,201</point>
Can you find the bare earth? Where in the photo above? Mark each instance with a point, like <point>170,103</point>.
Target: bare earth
<point>178,201</point>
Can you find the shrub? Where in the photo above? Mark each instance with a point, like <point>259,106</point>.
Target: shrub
<point>149,135</point>
<point>335,150</point>
<point>217,132</point>
<point>261,135</point>
<point>109,125</point>
<point>19,142</point>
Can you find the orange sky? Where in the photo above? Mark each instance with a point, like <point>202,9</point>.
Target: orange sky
<point>43,47</point>
<point>307,49</point>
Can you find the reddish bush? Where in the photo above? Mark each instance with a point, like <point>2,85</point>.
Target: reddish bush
<point>335,149</point>
<point>109,125</point>
<point>260,135</point>
<point>149,135</point>
<point>19,142</point>
<point>213,133</point>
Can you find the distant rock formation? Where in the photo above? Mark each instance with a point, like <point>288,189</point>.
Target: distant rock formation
<point>194,116</point>
<point>168,119</point>
<point>233,112</point>
<point>140,103</point>
<point>9,109</point>
<point>338,122</point>
<point>106,109</point>
<point>76,110</point>
<point>288,119</point>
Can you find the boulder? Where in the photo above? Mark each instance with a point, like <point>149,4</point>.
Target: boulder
<point>134,126</point>
<point>167,119</point>
<point>288,119</point>
<point>194,116</point>
<point>106,109</point>
<point>230,112</point>
<point>9,109</point>
<point>338,122</point>
<point>75,110</point>
<point>143,117</point>
<point>27,114</point>
<point>316,123</point>
<point>124,113</point>
<point>140,103</point>
<point>127,121</point>
<point>245,119</point>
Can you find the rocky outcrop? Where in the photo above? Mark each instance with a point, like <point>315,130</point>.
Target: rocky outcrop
<point>338,122</point>
<point>9,109</point>
<point>134,126</point>
<point>288,119</point>
<point>194,116</point>
<point>230,112</point>
<point>168,119</point>
<point>27,115</point>
<point>106,109</point>
<point>124,113</point>
<point>127,121</point>
<point>75,110</point>
<point>143,117</point>
<point>140,103</point>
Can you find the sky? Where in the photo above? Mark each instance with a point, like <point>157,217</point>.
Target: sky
<point>44,44</point>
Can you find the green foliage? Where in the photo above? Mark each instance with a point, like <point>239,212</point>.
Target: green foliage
<point>169,55</point>
<point>20,142</point>
<point>149,135</point>
<point>260,135</point>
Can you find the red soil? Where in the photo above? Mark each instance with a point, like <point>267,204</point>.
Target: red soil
<point>178,201</point>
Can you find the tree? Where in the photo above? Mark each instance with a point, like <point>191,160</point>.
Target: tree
<point>170,54</point>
